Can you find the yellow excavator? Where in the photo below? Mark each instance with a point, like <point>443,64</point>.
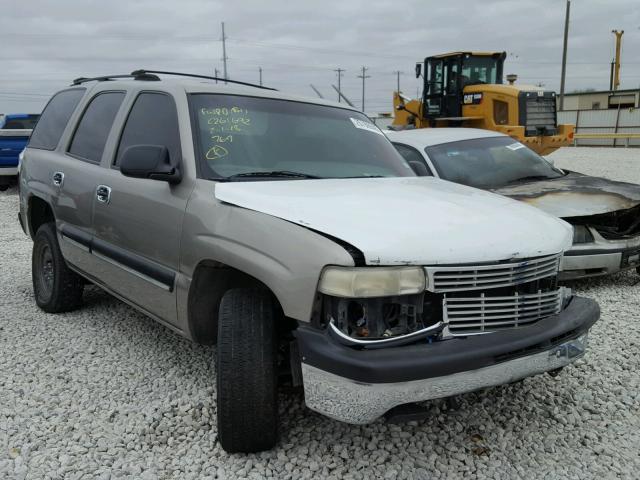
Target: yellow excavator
<point>465,89</point>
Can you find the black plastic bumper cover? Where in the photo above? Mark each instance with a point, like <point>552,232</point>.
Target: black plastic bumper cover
<point>458,354</point>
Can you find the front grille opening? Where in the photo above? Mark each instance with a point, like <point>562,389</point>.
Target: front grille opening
<point>501,308</point>
<point>616,225</point>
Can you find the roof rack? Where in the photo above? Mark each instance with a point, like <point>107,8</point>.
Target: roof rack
<point>137,75</point>
<point>143,72</point>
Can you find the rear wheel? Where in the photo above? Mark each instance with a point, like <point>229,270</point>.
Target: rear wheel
<point>246,371</point>
<point>56,287</point>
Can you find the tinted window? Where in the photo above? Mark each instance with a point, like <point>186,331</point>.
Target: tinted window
<point>410,154</point>
<point>94,127</point>
<point>490,162</point>
<point>242,135</point>
<point>54,119</point>
<point>153,120</point>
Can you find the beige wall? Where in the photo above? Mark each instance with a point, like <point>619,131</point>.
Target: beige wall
<point>589,101</point>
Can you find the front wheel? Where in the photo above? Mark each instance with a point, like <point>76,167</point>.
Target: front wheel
<point>56,287</point>
<point>246,371</point>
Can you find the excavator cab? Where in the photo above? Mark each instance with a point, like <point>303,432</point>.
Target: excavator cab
<point>446,76</point>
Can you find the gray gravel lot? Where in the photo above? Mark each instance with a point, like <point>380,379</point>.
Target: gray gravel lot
<point>104,392</point>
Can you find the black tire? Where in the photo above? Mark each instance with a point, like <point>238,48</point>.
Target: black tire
<point>246,371</point>
<point>4,187</point>
<point>56,287</point>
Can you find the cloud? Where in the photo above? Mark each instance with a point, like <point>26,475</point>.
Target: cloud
<point>46,44</point>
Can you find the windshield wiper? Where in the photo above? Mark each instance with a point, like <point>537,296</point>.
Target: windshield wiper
<point>272,174</point>
<point>367,176</point>
<point>529,178</point>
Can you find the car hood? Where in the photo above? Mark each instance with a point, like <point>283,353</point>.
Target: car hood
<point>575,195</point>
<point>410,220</point>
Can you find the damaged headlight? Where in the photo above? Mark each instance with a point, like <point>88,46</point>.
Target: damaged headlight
<point>368,282</point>
<point>378,305</point>
<point>581,234</point>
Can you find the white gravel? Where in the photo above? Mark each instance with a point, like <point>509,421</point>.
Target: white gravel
<point>104,392</point>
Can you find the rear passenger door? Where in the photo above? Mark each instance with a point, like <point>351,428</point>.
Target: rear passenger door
<point>73,173</point>
<point>138,221</point>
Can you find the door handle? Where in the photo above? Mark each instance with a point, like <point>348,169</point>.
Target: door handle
<point>103,193</point>
<point>58,179</point>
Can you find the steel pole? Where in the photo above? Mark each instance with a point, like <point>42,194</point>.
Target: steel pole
<point>564,54</point>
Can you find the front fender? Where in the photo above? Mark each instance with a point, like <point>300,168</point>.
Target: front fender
<point>286,257</point>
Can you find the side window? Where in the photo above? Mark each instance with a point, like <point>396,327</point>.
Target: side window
<point>94,126</point>
<point>54,119</point>
<point>410,154</point>
<point>153,120</point>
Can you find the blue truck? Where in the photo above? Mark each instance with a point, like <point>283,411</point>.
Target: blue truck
<point>15,130</point>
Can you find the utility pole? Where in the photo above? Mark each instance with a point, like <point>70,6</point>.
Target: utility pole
<point>260,71</point>
<point>216,74</point>
<point>564,54</point>
<point>616,70</point>
<point>339,71</point>
<point>398,72</point>
<point>363,76</point>
<point>224,53</point>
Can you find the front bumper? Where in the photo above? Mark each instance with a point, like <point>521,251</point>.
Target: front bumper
<point>601,257</point>
<point>358,386</point>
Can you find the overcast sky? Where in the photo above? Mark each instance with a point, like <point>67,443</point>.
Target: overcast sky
<point>45,44</point>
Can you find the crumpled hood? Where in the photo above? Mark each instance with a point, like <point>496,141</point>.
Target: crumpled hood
<point>575,195</point>
<point>410,220</point>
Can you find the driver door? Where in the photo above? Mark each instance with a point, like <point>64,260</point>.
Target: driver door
<point>138,221</point>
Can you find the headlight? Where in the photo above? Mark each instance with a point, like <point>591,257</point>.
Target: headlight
<point>366,282</point>
<point>581,234</point>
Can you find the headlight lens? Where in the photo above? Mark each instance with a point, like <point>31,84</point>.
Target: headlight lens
<point>366,282</point>
<point>581,234</point>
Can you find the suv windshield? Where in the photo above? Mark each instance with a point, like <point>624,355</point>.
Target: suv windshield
<point>490,162</point>
<point>248,138</point>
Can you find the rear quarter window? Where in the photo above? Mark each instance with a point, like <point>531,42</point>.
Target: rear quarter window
<point>54,119</point>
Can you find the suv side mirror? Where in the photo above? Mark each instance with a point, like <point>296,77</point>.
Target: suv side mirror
<point>149,161</point>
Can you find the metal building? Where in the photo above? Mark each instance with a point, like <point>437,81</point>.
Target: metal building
<point>602,100</point>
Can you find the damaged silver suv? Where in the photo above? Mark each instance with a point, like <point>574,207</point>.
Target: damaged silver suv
<point>291,233</point>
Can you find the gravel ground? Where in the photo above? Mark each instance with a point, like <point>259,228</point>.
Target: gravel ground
<point>104,392</point>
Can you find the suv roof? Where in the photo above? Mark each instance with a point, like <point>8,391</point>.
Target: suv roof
<point>154,80</point>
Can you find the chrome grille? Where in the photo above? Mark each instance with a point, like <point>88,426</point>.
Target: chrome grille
<point>483,314</point>
<point>479,277</point>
